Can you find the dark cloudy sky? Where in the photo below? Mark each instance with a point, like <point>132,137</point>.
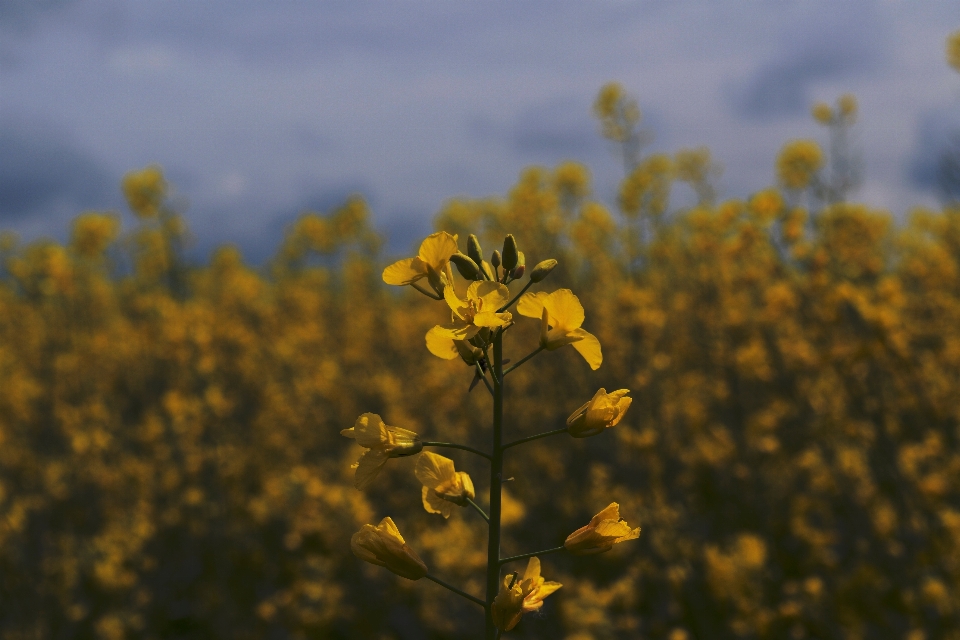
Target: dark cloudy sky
<point>258,110</point>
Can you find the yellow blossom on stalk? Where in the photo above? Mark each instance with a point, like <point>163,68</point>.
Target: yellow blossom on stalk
<point>519,596</point>
<point>383,442</point>
<point>798,161</point>
<point>561,315</point>
<point>477,311</point>
<point>145,190</point>
<point>601,412</point>
<point>822,113</point>
<point>443,486</point>
<point>847,104</point>
<point>384,546</point>
<point>605,530</point>
<point>432,262</point>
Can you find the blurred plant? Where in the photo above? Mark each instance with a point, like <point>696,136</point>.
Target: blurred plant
<point>479,323</point>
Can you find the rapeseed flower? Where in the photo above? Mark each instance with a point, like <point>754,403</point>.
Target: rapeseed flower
<point>383,442</point>
<point>476,312</point>
<point>384,546</point>
<point>432,262</point>
<point>605,530</point>
<point>601,412</point>
<point>561,315</point>
<point>443,486</point>
<point>519,596</point>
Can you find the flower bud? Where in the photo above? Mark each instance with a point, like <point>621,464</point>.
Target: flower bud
<point>474,250</point>
<point>468,353</point>
<point>466,266</point>
<point>518,272</point>
<point>510,256</point>
<point>542,270</point>
<point>383,545</point>
<point>601,412</point>
<point>495,259</point>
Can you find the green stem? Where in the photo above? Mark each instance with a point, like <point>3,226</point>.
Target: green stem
<point>479,510</point>
<point>525,358</point>
<point>483,376</point>
<point>456,591</point>
<point>530,555</point>
<point>450,445</point>
<point>429,294</point>
<point>496,478</point>
<point>516,297</point>
<point>536,437</point>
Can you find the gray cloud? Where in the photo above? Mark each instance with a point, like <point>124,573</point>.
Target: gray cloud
<point>42,173</point>
<point>841,41</point>
<point>938,135</point>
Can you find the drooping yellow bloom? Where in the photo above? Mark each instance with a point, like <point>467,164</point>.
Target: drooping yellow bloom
<point>443,486</point>
<point>476,312</point>
<point>384,546</point>
<point>383,442</point>
<point>601,412</point>
<point>605,530</point>
<point>561,315</point>
<point>432,262</point>
<point>523,596</point>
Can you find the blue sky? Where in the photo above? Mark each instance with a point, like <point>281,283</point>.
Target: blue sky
<point>259,110</point>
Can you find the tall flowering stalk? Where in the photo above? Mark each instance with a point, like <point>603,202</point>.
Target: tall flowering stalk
<point>478,324</point>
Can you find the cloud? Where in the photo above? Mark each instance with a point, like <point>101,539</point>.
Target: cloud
<point>823,47</point>
<point>43,174</point>
<point>938,134</point>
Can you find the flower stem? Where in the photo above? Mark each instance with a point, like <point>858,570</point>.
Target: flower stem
<point>482,513</point>
<point>530,555</point>
<point>483,376</point>
<point>429,294</point>
<point>450,445</point>
<point>456,591</point>
<point>525,358</point>
<point>536,437</point>
<point>515,298</point>
<point>496,478</point>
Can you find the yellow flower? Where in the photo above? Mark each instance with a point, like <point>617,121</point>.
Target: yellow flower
<point>383,442</point>
<point>561,315</point>
<point>822,113</point>
<point>432,262</point>
<point>522,596</point>
<point>478,311</point>
<point>145,191</point>
<point>605,530</point>
<point>383,545</point>
<point>797,163</point>
<point>443,486</point>
<point>603,411</point>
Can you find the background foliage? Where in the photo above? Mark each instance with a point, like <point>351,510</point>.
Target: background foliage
<point>171,464</point>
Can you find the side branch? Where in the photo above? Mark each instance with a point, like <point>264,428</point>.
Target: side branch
<point>536,437</point>
<point>515,298</point>
<point>483,514</point>
<point>525,358</point>
<point>523,556</point>
<point>450,445</point>
<point>429,294</point>
<point>483,376</point>
<point>456,591</point>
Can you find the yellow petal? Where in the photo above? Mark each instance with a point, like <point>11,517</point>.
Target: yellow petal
<point>531,304</point>
<point>533,569</point>
<point>440,344</point>
<point>588,347</point>
<point>493,295</point>
<point>433,503</point>
<point>456,305</point>
<point>491,319</point>
<point>432,469</point>
<point>370,431</point>
<point>404,272</point>
<point>388,526</point>
<point>565,309</point>
<point>457,330</point>
<point>611,512</point>
<point>437,248</point>
<point>368,467</point>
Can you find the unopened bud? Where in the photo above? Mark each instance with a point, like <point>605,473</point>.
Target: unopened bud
<point>474,250</point>
<point>521,259</point>
<point>510,253</point>
<point>468,353</point>
<point>495,259</point>
<point>518,272</point>
<point>466,266</point>
<point>542,270</point>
